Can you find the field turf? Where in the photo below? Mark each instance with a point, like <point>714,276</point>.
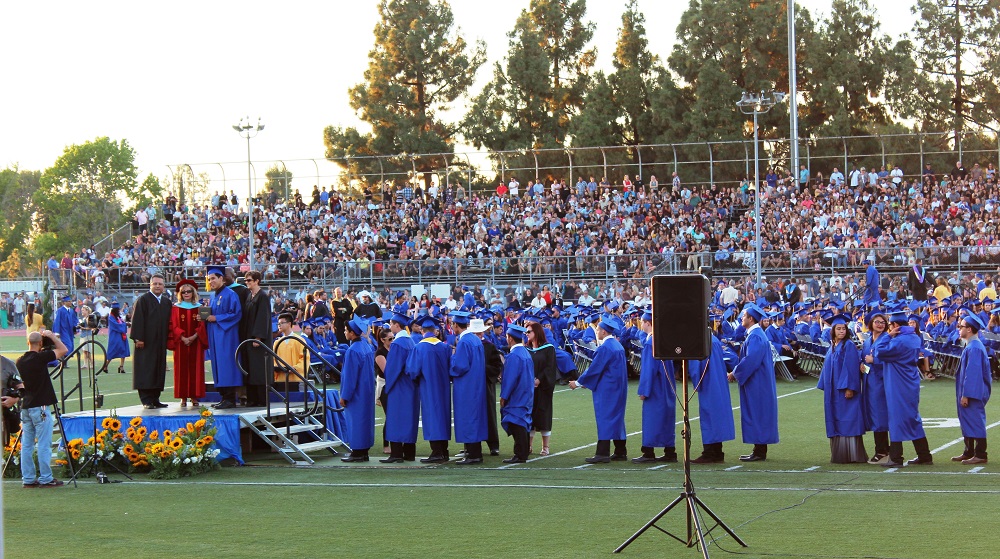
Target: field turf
<point>796,504</point>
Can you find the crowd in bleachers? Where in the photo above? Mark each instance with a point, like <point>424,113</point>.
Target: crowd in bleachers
<point>548,228</point>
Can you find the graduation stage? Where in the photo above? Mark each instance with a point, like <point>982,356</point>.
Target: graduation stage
<point>229,422</point>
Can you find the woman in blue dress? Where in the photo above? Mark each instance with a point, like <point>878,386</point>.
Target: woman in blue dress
<point>843,406</point>
<point>117,337</point>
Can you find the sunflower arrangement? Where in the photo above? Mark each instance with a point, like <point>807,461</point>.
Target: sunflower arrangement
<point>185,452</point>
<point>166,455</point>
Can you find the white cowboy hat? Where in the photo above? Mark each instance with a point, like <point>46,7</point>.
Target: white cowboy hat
<point>476,326</point>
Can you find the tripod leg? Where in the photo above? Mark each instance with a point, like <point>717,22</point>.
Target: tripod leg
<point>651,523</point>
<point>692,502</point>
<point>74,473</point>
<point>10,458</point>
<point>718,521</point>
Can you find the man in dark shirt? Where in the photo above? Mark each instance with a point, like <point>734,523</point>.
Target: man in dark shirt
<point>36,417</point>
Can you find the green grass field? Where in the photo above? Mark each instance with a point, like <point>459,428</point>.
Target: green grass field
<point>796,504</point>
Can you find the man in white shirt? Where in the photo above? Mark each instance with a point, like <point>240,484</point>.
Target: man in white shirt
<point>897,175</point>
<point>729,294</point>
<point>512,187</point>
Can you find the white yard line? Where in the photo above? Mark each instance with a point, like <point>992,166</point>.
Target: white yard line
<point>811,468</point>
<point>959,440</point>
<point>732,468</point>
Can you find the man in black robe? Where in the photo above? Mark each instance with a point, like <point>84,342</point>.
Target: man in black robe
<point>917,281</point>
<point>343,312</point>
<point>241,291</point>
<point>255,324</point>
<point>150,329</point>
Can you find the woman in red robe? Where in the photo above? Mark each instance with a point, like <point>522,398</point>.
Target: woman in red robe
<point>188,339</point>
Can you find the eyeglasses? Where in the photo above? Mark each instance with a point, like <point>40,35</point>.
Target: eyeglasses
<point>283,322</point>
<point>964,326</point>
<point>187,291</point>
<point>878,322</point>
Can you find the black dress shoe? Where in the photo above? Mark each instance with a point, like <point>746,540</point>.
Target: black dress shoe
<point>160,405</point>
<point>514,460</point>
<point>921,461</point>
<point>672,457</point>
<point>643,459</point>
<point>469,461</point>
<point>619,457</point>
<point>703,459</point>
<point>495,452</point>
<point>391,460</point>
<point>225,405</point>
<point>434,459</point>
<point>150,406</point>
<point>354,459</point>
<point>752,458</point>
<point>598,460</point>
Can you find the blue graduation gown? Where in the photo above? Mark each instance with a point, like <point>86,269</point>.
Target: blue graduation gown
<point>973,382</point>
<point>224,336</point>
<point>758,390</point>
<point>876,408</point>
<point>517,389</point>
<point>902,385</point>
<point>357,388</point>
<point>564,362</point>
<point>658,385</point>
<point>607,378</point>
<point>468,303</point>
<point>468,376</point>
<point>815,331</point>
<point>117,338</point>
<point>402,415</point>
<point>872,297</point>
<point>842,372</point>
<point>65,324</point>
<point>428,367</point>
<point>715,405</point>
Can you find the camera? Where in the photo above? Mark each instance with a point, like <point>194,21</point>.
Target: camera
<point>48,343</point>
<point>13,392</point>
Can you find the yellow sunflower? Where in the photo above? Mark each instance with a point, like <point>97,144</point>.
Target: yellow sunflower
<point>141,431</point>
<point>74,453</point>
<point>115,424</point>
<point>199,425</point>
<point>167,433</point>
<point>182,431</point>
<point>189,426</point>
<point>155,435</point>
<point>165,453</point>
<point>176,444</point>
<point>206,440</point>
<point>206,413</point>
<point>61,462</point>
<point>136,421</point>
<point>76,443</point>
<point>157,448</point>
<point>106,423</point>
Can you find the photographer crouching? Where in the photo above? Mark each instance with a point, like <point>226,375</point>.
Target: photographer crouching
<point>37,397</point>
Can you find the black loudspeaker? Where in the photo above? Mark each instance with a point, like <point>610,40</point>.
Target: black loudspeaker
<point>680,317</point>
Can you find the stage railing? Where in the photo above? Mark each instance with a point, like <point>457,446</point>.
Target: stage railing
<point>92,370</point>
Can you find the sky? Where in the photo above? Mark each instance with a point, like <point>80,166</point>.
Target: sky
<point>173,78</point>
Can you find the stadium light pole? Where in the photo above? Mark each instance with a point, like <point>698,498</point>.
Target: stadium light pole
<point>248,130</point>
<point>793,109</point>
<point>756,104</point>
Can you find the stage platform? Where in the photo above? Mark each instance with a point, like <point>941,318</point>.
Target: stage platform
<point>228,422</point>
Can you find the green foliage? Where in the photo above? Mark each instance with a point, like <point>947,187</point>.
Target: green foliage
<point>419,65</point>
<point>856,72</point>
<point>956,47</point>
<point>279,181</point>
<point>81,196</point>
<point>531,100</point>
<point>16,208</point>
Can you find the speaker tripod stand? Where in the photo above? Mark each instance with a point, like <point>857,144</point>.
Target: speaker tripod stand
<point>695,531</point>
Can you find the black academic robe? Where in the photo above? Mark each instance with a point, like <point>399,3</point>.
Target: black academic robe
<point>343,312</point>
<point>150,325</point>
<point>256,323</point>
<point>494,368</point>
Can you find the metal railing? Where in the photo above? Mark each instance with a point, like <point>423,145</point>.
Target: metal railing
<point>543,270</point>
<point>718,162</point>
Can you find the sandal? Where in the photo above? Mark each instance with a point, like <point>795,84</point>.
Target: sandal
<point>194,403</point>
<point>531,450</point>
<point>184,403</point>
<point>544,452</point>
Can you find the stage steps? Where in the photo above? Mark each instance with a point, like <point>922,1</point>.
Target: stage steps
<point>284,433</point>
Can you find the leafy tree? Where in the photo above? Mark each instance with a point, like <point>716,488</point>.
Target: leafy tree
<point>17,209</point>
<point>419,66</point>
<point>80,198</point>
<point>856,70</point>
<point>279,181</point>
<point>958,58</point>
<point>532,99</point>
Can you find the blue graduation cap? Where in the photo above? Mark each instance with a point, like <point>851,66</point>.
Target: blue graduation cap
<point>400,294</point>
<point>459,317</point>
<point>754,311</point>
<point>973,320</point>
<point>594,317</point>
<point>988,301</point>
<point>528,318</point>
<point>838,318</point>
<point>400,318</point>
<point>612,305</point>
<point>427,321</point>
<point>898,317</point>
<point>66,299</point>
<point>611,323</point>
<point>517,331</point>
<point>648,314</point>
<point>358,325</point>
<point>116,305</point>
<point>215,270</point>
